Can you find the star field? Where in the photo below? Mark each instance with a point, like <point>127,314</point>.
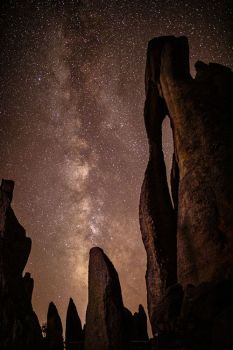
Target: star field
<point>72,131</point>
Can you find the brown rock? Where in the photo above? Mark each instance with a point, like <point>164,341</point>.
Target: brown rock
<point>156,213</point>
<point>200,111</point>
<point>105,311</point>
<point>19,326</point>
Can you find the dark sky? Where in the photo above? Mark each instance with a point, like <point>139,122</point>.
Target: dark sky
<point>72,132</point>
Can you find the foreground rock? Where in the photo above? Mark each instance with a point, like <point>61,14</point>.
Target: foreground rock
<point>54,338</point>
<point>156,213</point>
<point>105,311</point>
<point>19,326</point>
<point>74,333</point>
<point>190,244</point>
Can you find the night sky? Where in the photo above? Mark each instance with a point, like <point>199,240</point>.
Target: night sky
<point>72,131</point>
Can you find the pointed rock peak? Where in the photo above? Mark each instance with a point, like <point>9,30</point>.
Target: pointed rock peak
<point>141,309</point>
<point>96,252</point>
<point>72,310</point>
<point>72,307</point>
<point>73,326</point>
<point>53,314</point>
<point>52,308</point>
<point>99,260</point>
<point>54,338</point>
<point>105,311</point>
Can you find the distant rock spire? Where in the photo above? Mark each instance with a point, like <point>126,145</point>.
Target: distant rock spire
<point>105,310</point>
<point>139,331</point>
<point>136,325</point>
<point>54,338</point>
<point>74,333</point>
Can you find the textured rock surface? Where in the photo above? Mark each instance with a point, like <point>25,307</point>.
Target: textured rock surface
<point>74,333</point>
<point>156,213</point>
<point>54,338</point>
<point>201,115</point>
<point>19,326</point>
<point>105,311</point>
<point>201,112</point>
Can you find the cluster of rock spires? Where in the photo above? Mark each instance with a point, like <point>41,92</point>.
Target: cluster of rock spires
<point>109,325</point>
<point>188,236</point>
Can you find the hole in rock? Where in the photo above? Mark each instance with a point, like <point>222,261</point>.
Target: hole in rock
<point>168,148</point>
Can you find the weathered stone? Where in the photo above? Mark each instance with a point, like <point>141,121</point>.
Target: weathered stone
<point>54,338</point>
<point>74,333</point>
<point>200,111</point>
<point>19,326</point>
<point>105,310</point>
<point>156,213</point>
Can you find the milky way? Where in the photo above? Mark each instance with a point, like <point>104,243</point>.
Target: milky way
<point>72,132</point>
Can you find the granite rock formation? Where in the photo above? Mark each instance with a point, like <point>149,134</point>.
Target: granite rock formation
<point>189,238</point>
<point>156,212</point>
<point>105,310</point>
<point>54,338</point>
<point>19,326</point>
<point>74,333</point>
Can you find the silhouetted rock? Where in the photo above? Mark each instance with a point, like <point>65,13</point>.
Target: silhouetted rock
<point>139,327</point>
<point>84,332</point>
<point>19,326</point>
<point>135,325</point>
<point>54,338</point>
<point>74,333</point>
<point>206,317</point>
<point>128,323</point>
<point>105,311</point>
<point>28,285</point>
<point>196,312</point>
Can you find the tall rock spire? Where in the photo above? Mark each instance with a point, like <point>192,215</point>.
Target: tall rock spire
<point>105,311</point>
<point>189,241</point>
<point>156,213</point>
<point>74,332</point>
<point>54,338</point>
